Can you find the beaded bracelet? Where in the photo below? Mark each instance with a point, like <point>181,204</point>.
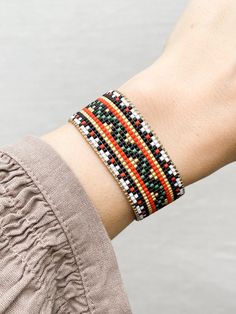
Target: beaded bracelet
<point>131,151</point>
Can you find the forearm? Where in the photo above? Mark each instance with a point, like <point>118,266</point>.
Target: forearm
<point>188,149</point>
<point>187,100</point>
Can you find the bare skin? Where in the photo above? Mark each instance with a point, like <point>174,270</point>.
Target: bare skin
<point>188,96</point>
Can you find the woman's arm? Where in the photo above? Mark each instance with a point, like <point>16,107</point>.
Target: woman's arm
<point>187,96</point>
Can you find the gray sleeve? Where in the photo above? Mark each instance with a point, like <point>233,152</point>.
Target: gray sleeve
<point>55,254</point>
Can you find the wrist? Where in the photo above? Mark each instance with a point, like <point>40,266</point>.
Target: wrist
<point>181,119</point>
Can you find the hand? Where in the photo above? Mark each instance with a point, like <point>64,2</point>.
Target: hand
<point>189,94</point>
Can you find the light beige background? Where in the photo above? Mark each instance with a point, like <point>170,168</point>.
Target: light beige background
<point>56,56</point>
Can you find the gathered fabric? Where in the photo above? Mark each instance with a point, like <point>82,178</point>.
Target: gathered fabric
<point>55,254</point>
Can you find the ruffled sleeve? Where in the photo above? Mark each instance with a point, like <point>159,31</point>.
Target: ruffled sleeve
<point>55,254</point>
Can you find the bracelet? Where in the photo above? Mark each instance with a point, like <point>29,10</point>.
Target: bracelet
<point>131,151</point>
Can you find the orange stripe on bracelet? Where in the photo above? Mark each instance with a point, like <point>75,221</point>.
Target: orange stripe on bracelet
<point>149,196</point>
<point>96,126</point>
<point>139,144</point>
<point>144,144</point>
